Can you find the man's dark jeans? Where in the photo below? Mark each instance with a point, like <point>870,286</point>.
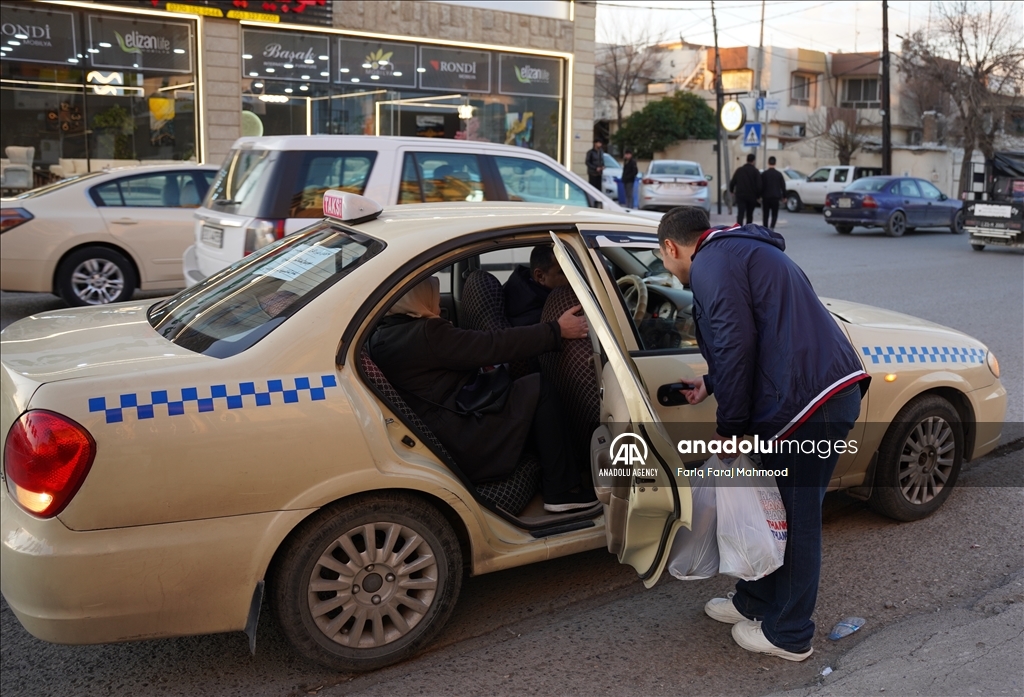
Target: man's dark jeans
<point>784,599</point>
<point>745,206</point>
<point>770,206</point>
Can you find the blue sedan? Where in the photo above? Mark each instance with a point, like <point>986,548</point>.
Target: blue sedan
<point>896,204</point>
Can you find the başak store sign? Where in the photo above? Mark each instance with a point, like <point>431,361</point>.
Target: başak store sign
<point>139,44</point>
<point>286,56</point>
<point>37,36</point>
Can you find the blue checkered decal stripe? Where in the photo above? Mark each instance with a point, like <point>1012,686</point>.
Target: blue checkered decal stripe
<point>923,354</point>
<point>219,396</point>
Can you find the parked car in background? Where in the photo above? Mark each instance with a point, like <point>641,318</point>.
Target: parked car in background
<point>94,238</point>
<point>897,204</point>
<point>612,170</point>
<point>671,183</point>
<point>812,190</point>
<point>999,219</point>
<point>273,186</point>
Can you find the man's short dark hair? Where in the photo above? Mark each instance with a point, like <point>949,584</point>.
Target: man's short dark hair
<point>751,158</point>
<point>542,258</point>
<point>771,160</point>
<point>628,152</point>
<point>683,225</point>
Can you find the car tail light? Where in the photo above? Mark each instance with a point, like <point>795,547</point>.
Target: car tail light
<point>869,202</point>
<point>46,458</point>
<point>646,181</point>
<point>261,233</point>
<point>699,183</point>
<point>11,218</point>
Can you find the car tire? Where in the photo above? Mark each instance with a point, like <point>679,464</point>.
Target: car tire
<point>844,229</point>
<point>401,601</point>
<point>95,276</point>
<point>978,247</point>
<point>957,226</point>
<point>919,460</point>
<point>793,202</point>
<point>896,225</point>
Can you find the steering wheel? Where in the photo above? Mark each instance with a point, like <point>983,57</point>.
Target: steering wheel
<point>637,294</point>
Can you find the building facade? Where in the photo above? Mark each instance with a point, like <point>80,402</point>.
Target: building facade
<point>93,84</point>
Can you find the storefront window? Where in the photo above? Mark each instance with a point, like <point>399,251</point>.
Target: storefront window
<point>88,90</point>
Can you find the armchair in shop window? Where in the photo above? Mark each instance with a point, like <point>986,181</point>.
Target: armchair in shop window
<point>17,171</point>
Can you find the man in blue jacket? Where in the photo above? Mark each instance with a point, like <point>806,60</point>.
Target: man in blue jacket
<point>780,368</point>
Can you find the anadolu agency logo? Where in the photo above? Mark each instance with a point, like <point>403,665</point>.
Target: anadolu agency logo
<point>629,458</point>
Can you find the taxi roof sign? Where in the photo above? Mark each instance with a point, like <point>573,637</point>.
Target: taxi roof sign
<point>350,208</point>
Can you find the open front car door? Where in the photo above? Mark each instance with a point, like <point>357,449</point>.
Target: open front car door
<point>633,460</point>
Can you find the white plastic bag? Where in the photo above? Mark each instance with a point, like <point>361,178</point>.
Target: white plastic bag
<point>694,553</point>
<point>751,521</point>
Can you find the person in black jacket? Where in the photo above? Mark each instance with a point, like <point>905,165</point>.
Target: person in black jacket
<point>782,369</point>
<point>629,172</point>
<point>745,186</point>
<point>527,288</point>
<point>595,164</point>
<point>773,190</point>
<point>429,361</point>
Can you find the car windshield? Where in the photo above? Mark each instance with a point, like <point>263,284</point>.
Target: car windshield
<point>57,186</point>
<point>869,184</point>
<point>610,162</point>
<point>232,310</point>
<point>795,174</point>
<point>683,169</point>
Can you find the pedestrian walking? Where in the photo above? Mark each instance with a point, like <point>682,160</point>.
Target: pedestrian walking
<point>773,190</point>
<point>595,164</point>
<point>745,185</point>
<point>629,173</point>
<point>780,368</point>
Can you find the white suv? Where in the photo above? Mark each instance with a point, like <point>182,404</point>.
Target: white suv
<point>273,186</point>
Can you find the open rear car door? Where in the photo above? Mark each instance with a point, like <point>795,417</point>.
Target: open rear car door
<point>634,461</point>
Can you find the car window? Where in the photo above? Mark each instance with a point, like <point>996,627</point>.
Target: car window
<point>429,177</point>
<point>164,190</point>
<point>678,168</point>
<point>795,174</point>
<point>527,180</point>
<point>868,184</point>
<point>231,311</point>
<point>909,188</point>
<point>841,175</point>
<point>610,162</point>
<point>928,190</point>
<point>325,171</point>
<point>820,175</point>
<point>242,181</point>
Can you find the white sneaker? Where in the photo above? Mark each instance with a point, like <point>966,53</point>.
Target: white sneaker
<point>749,636</point>
<point>723,610</point>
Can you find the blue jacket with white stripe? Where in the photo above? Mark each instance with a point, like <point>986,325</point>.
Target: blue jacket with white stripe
<point>774,353</point>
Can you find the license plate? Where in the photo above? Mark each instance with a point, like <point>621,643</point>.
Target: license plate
<point>845,203</point>
<point>212,236</point>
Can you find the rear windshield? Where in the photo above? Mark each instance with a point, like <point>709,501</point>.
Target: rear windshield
<point>678,168</point>
<point>57,186</point>
<point>231,311</point>
<point>869,184</point>
<point>279,184</point>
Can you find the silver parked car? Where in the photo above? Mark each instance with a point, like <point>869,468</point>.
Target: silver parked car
<point>671,183</point>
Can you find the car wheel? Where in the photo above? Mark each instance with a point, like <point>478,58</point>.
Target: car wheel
<point>844,229</point>
<point>95,276</point>
<point>367,583</point>
<point>957,227</point>
<point>896,225</point>
<point>978,247</point>
<point>919,460</point>
<point>793,203</point>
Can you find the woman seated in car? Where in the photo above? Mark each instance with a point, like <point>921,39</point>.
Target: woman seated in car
<point>429,361</point>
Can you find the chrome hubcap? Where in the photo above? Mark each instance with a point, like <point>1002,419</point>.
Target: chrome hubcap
<point>97,281</point>
<point>927,460</point>
<point>372,585</point>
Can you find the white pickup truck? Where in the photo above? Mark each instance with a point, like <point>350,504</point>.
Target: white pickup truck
<point>821,182</point>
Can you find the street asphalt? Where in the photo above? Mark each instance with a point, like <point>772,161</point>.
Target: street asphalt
<point>943,597</point>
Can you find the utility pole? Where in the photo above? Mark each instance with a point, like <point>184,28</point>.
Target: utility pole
<point>760,90</point>
<point>719,100</point>
<point>886,118</point>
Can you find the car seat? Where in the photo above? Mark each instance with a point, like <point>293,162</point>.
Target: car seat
<point>171,192</point>
<point>190,195</point>
<point>483,309</point>
<point>511,495</point>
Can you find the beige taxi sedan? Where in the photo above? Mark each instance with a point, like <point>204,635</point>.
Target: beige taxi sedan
<point>96,238</point>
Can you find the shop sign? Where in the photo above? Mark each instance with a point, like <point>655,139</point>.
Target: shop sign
<point>37,36</point>
<point>271,11</point>
<point>529,76</point>
<point>454,70</point>
<point>286,55</point>
<point>138,44</point>
<point>376,63</point>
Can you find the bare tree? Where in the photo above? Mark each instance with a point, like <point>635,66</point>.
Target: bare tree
<point>974,54</point>
<point>842,129</point>
<point>625,66</point>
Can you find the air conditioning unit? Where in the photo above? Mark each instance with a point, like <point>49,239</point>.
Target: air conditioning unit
<point>800,131</point>
<point>916,137</point>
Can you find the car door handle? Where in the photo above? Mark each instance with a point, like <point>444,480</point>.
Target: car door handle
<point>125,221</point>
<point>670,396</point>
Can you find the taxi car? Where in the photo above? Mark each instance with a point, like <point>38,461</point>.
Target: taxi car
<point>166,464</point>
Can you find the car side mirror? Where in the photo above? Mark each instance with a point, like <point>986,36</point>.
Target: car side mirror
<point>943,197</point>
<point>708,177</point>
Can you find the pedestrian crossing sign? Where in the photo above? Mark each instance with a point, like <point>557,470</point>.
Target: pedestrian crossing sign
<point>752,135</point>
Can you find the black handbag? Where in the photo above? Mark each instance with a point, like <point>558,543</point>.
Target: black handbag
<point>487,394</point>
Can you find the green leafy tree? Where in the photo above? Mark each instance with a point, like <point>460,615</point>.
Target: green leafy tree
<point>661,123</point>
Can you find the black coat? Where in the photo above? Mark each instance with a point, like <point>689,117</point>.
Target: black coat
<point>773,184</point>
<point>594,161</point>
<point>629,170</point>
<point>746,182</point>
<point>428,361</point>
<point>524,298</point>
